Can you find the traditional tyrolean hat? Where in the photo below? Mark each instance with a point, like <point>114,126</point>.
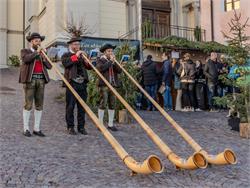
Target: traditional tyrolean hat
<point>74,39</point>
<point>107,46</point>
<point>34,36</point>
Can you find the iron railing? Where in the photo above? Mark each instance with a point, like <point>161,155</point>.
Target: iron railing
<point>156,30</point>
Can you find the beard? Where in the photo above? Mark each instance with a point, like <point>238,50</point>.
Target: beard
<point>35,47</point>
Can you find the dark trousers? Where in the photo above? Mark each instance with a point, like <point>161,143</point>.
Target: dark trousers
<point>200,93</point>
<point>151,90</point>
<point>71,102</point>
<point>212,92</point>
<point>188,94</point>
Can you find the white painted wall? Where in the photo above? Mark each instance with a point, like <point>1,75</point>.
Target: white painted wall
<point>87,10</point>
<point>113,18</point>
<point>105,18</point>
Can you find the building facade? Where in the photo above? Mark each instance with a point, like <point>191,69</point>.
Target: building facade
<point>11,29</point>
<point>216,14</point>
<point>117,19</point>
<point>104,18</point>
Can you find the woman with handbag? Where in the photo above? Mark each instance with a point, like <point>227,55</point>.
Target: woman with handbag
<point>187,71</point>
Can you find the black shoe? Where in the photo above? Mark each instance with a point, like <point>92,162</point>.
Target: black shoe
<point>38,133</point>
<point>71,131</point>
<point>27,133</point>
<point>113,128</point>
<point>82,131</point>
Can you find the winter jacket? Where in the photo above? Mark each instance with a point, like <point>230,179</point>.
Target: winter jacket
<point>211,71</point>
<point>167,73</point>
<point>199,76</point>
<point>189,72</point>
<point>149,72</point>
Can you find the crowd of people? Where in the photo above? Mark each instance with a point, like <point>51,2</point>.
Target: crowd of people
<point>186,85</point>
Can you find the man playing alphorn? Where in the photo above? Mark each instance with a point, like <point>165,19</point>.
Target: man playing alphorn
<point>33,76</point>
<point>110,70</point>
<point>76,73</point>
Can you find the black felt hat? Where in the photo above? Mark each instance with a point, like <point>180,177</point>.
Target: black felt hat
<point>74,39</point>
<point>35,36</point>
<point>107,46</point>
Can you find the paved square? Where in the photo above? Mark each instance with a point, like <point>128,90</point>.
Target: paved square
<point>62,160</point>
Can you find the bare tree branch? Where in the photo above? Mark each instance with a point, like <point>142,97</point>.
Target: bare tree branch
<point>75,28</point>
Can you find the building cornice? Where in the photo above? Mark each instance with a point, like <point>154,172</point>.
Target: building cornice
<point>14,32</point>
<point>9,31</point>
<point>3,29</point>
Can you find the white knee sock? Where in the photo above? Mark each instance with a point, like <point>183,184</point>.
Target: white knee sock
<point>38,115</point>
<point>111,117</point>
<point>26,118</point>
<point>100,115</point>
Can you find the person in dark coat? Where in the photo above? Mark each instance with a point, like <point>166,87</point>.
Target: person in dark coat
<point>223,71</point>
<point>166,81</point>
<point>187,75</point>
<point>177,86</point>
<point>159,69</point>
<point>212,74</point>
<point>33,76</point>
<point>76,73</point>
<point>200,87</point>
<point>110,70</point>
<point>149,73</point>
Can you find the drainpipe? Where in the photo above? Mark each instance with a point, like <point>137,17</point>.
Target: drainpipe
<point>212,19</point>
<point>23,23</point>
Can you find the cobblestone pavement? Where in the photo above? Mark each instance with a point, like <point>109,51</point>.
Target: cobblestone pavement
<point>61,160</point>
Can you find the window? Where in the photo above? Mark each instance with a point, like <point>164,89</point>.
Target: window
<point>232,5</point>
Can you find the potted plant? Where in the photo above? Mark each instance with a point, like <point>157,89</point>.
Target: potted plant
<point>14,61</point>
<point>238,78</point>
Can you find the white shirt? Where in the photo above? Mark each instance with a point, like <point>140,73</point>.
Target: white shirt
<point>32,49</point>
<point>71,51</point>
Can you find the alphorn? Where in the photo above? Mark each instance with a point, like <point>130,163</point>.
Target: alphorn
<point>225,157</point>
<point>197,160</point>
<point>151,165</point>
